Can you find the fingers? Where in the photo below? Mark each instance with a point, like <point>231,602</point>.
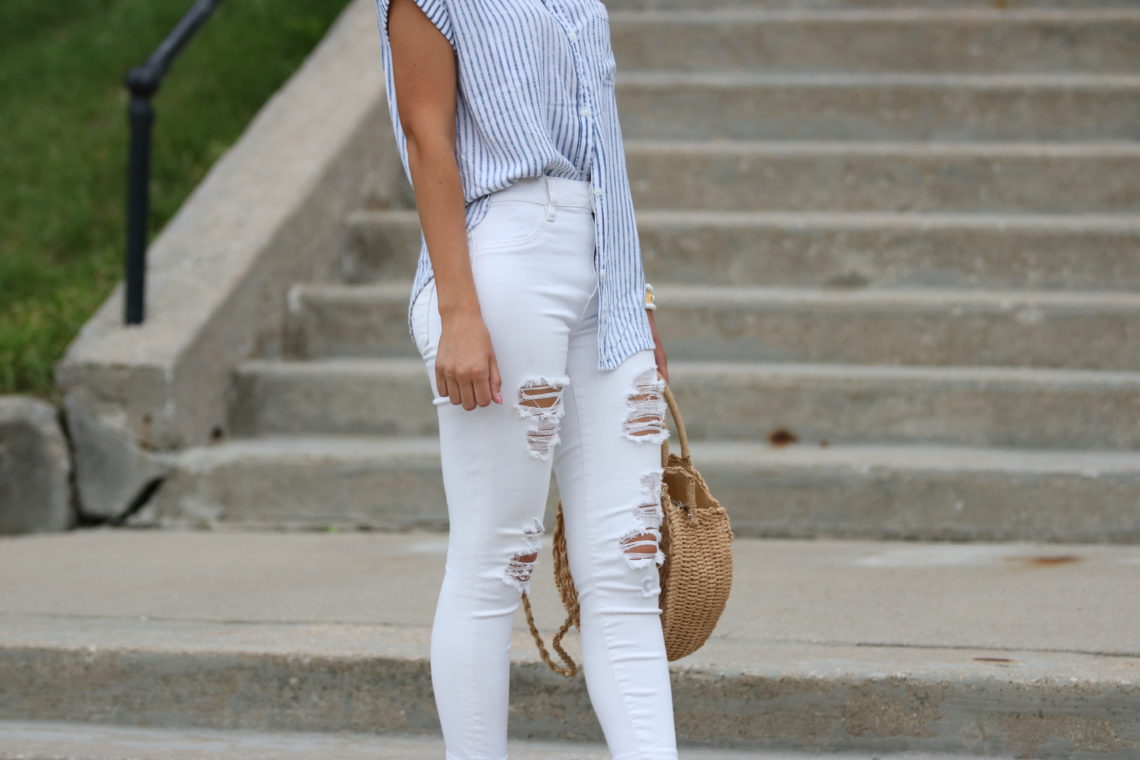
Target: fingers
<point>468,388</point>
<point>441,382</point>
<point>496,384</point>
<point>480,392</point>
<point>483,385</point>
<point>459,387</point>
<point>469,394</point>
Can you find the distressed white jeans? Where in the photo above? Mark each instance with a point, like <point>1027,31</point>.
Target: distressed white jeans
<point>532,257</point>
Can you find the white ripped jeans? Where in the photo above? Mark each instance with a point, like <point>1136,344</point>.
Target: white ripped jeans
<point>532,257</point>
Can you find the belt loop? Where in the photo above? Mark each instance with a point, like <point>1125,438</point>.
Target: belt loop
<point>549,198</point>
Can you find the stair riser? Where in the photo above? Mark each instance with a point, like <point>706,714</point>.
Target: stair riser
<point>945,42</point>
<point>873,255</point>
<point>687,5</point>
<point>774,178</point>
<point>809,255</point>
<point>776,499</point>
<point>736,405</point>
<point>817,330</point>
<point>679,110</point>
<point>969,336</point>
<point>381,694</point>
<point>841,409</point>
<point>291,493</point>
<point>324,328</point>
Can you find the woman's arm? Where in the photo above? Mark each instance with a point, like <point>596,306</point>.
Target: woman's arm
<point>424,72</point>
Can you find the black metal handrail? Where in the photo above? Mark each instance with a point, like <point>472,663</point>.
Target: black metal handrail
<point>143,81</point>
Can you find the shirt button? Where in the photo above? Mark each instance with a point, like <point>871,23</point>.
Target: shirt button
<point>597,191</point>
<point>585,111</point>
<point>602,272</point>
<point>572,36</point>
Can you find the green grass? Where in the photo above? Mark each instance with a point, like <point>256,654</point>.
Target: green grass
<point>63,144</point>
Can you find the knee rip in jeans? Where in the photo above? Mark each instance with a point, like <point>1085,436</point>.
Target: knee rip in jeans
<point>521,565</point>
<point>540,401</point>
<point>641,545</point>
<point>645,419</point>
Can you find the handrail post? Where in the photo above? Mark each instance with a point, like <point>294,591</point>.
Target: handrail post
<point>141,115</point>
<point>143,81</point>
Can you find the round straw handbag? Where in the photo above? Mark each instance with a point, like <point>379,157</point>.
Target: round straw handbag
<point>696,577</point>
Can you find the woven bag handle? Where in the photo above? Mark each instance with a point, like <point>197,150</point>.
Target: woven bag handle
<point>675,410</point>
<point>571,668</point>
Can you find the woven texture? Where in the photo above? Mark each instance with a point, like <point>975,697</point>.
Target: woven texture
<point>696,578</point>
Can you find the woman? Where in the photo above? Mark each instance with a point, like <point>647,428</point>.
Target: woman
<point>530,309</point>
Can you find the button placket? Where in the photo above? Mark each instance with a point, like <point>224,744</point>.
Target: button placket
<point>585,109</point>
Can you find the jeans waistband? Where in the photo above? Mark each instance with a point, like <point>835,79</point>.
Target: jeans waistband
<point>557,191</point>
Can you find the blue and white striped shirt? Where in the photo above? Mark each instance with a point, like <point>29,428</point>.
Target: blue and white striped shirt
<point>536,96</point>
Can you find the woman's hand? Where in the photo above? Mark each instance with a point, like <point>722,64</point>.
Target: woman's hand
<point>465,365</point>
<point>659,351</point>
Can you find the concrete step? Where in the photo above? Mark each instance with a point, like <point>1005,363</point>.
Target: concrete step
<point>824,646</point>
<point>724,323</point>
<point>765,105</point>
<point>332,320</point>
<point>60,740</point>
<point>769,489</point>
<point>892,39</point>
<point>990,178</point>
<point>741,401</point>
<point>812,249</point>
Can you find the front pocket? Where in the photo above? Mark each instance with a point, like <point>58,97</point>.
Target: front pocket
<point>507,224</point>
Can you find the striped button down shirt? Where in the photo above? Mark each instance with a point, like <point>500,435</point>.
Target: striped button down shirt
<point>536,96</point>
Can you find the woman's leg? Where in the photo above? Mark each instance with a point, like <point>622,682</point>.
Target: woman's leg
<point>608,469</point>
<point>496,460</point>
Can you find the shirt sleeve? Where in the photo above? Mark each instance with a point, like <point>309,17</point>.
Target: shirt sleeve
<point>436,11</point>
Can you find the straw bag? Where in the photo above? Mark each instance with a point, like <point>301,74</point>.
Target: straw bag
<point>696,538</point>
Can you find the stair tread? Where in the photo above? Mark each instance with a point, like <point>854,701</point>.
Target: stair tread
<point>413,365</point>
<point>763,295</point>
<point>905,14</point>
<point>745,453</point>
<point>917,220</point>
<point>733,78</point>
<point>894,148</point>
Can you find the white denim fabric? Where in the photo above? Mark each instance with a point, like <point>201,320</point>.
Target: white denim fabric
<point>536,94</point>
<point>601,432</point>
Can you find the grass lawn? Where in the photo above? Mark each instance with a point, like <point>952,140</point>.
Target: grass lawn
<point>63,144</point>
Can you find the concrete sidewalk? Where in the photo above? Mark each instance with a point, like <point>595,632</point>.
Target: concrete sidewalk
<point>80,741</point>
<point>1015,649</point>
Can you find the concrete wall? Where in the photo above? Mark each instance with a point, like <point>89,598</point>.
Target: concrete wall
<point>268,214</point>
